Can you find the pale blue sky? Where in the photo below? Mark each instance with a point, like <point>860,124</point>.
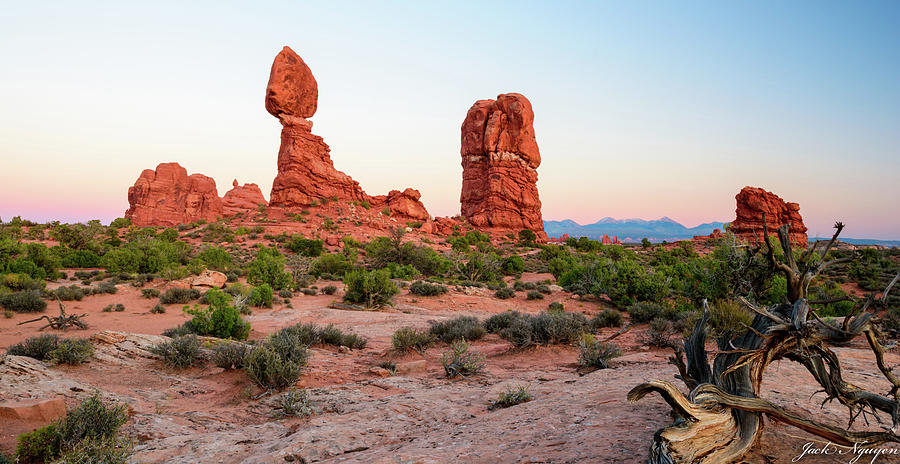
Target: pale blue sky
<point>642,109</point>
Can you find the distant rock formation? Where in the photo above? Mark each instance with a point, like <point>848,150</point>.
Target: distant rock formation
<point>305,170</point>
<point>404,205</point>
<point>752,202</point>
<point>168,197</point>
<point>610,241</point>
<point>242,198</point>
<point>500,157</point>
<point>714,235</point>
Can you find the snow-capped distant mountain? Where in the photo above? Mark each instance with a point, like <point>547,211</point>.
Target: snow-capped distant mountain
<point>656,230</point>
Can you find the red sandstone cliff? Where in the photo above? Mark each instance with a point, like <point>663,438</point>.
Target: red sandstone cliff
<point>752,202</point>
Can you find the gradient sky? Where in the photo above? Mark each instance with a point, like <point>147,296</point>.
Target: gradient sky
<point>642,109</point>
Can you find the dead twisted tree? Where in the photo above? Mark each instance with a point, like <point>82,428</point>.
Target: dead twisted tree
<point>62,322</point>
<point>722,417</point>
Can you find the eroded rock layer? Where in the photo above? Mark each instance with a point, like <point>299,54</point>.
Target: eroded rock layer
<point>168,196</point>
<point>500,157</point>
<point>305,170</point>
<point>753,202</point>
<point>242,198</point>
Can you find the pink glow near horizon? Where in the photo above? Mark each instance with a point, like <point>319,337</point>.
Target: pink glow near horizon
<point>639,112</point>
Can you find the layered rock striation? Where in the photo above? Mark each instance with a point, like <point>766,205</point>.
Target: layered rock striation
<point>168,196</point>
<point>500,157</point>
<point>752,203</point>
<point>242,198</point>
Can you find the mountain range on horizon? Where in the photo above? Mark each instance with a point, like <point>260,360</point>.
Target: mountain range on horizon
<point>630,230</point>
<point>656,230</point>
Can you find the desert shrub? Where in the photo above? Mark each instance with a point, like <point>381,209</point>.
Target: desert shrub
<point>558,328</point>
<point>146,255</point>
<point>106,287</point>
<point>556,307</point>
<point>334,264</point>
<point>150,293</point>
<point>522,286</point>
<point>87,434</point>
<point>70,293</point>
<point>412,339</point>
<point>594,353</point>
<point>513,265</point>
<point>659,333</point>
<point>511,397</point>
<point>478,267</point>
<point>505,293</point>
<point>645,312</point>
<point>293,340</point>
<point>215,257</point>
<point>157,309</point>
<point>268,268</point>
<point>331,335</point>
<point>427,289</point>
<point>268,368</point>
<point>285,293</point>
<point>402,272</point>
<point>370,288</point>
<point>305,246</point>
<point>309,292</point>
<point>527,237</point>
<point>179,296</point>
<point>460,328</point>
<point>231,276</point>
<point>23,302</point>
<point>72,351</point>
<point>229,355</point>
<point>329,289</point>
<point>382,251</point>
<point>15,281</point>
<point>220,319</point>
<point>545,289</point>
<point>607,318</point>
<point>498,322</point>
<point>92,419</point>
<point>179,352</point>
<point>294,403</point>
<point>544,329</point>
<point>728,317</point>
<point>38,447</point>
<point>118,307</point>
<point>81,258</point>
<point>534,295</point>
<point>39,347</point>
<point>113,450</point>
<point>460,361</point>
<point>261,296</point>
<point>177,331</point>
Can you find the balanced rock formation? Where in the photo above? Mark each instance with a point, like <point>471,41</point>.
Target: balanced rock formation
<point>168,197</point>
<point>500,157</point>
<point>305,169</point>
<point>240,198</point>
<point>752,203</point>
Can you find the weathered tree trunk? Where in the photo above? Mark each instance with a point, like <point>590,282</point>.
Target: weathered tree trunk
<point>720,420</point>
